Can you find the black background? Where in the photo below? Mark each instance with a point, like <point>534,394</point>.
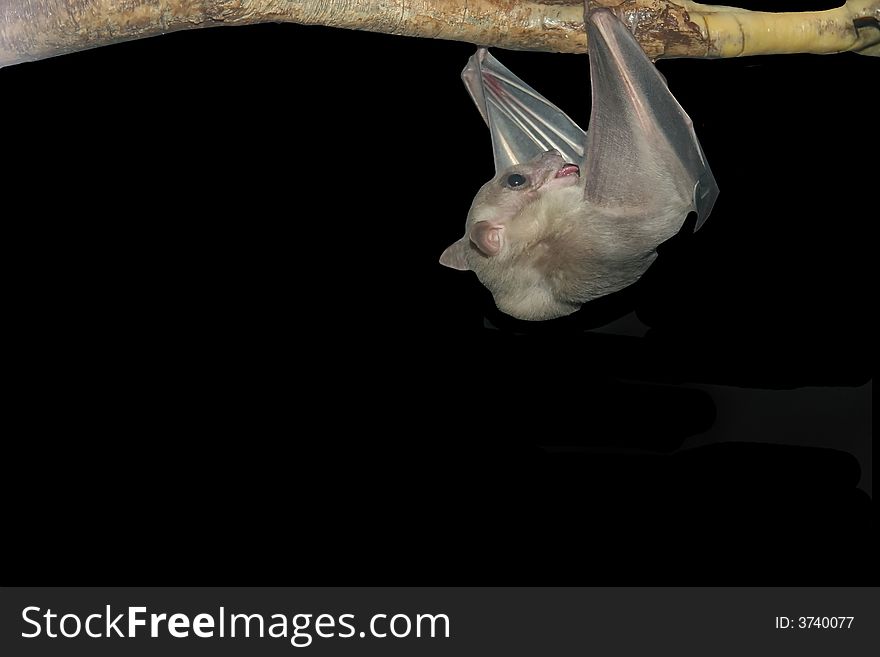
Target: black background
<point>243,364</point>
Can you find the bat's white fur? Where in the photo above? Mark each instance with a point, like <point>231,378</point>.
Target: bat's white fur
<point>558,252</point>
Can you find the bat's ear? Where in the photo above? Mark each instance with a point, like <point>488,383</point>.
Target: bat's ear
<point>487,237</point>
<point>454,255</point>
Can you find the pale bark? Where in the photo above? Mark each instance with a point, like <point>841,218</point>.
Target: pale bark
<point>36,29</point>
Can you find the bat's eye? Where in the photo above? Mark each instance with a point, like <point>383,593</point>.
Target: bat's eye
<point>516,180</point>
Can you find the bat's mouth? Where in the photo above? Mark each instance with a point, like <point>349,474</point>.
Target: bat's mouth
<point>568,170</point>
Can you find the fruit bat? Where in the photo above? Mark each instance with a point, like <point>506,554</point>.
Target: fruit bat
<point>573,216</point>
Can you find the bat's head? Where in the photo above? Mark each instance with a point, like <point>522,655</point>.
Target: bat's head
<point>505,215</point>
<point>516,219</point>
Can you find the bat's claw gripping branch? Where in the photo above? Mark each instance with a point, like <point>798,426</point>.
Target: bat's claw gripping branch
<point>866,21</point>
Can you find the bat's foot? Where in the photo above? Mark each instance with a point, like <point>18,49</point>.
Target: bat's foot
<point>866,22</point>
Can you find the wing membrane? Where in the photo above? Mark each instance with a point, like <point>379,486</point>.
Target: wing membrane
<point>523,123</point>
<point>641,147</point>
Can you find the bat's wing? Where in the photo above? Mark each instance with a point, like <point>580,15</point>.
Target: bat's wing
<point>523,123</point>
<point>641,150</point>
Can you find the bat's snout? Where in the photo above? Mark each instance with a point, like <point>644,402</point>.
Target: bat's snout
<point>568,169</point>
<point>555,161</point>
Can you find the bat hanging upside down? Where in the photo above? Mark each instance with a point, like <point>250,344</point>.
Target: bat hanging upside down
<point>569,216</point>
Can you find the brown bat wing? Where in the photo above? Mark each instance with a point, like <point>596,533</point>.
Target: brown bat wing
<point>523,123</point>
<point>641,152</point>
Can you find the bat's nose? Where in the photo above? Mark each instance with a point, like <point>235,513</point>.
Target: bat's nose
<point>552,153</point>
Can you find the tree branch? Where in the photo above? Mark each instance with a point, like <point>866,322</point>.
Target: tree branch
<point>36,29</point>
